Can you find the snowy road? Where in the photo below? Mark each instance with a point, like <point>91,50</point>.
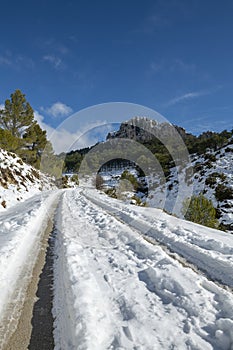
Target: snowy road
<point>115,290</point>
<point>210,251</point>
<point>22,230</point>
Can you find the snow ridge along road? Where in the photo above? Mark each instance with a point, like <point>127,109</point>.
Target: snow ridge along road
<point>209,250</point>
<point>22,230</point>
<point>114,290</point>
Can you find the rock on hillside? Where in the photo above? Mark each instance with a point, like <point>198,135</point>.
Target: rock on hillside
<point>19,181</point>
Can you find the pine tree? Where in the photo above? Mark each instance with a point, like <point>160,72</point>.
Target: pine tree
<point>9,142</point>
<point>50,163</point>
<point>19,132</point>
<point>200,210</point>
<point>35,141</point>
<point>17,114</point>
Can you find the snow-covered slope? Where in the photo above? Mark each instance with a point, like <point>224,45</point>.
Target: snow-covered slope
<point>19,181</point>
<point>211,174</point>
<point>119,284</point>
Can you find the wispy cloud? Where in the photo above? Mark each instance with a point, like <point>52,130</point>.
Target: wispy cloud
<point>16,61</point>
<point>156,67</point>
<point>52,45</point>
<point>172,66</point>
<point>58,109</point>
<point>182,66</point>
<point>5,61</point>
<point>54,52</point>
<point>188,96</point>
<point>55,61</point>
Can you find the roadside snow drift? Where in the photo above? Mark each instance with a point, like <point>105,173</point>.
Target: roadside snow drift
<point>21,230</point>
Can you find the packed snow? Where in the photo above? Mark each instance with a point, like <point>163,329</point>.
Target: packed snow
<point>21,230</point>
<point>116,288</point>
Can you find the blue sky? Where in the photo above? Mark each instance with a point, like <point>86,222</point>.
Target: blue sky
<point>173,56</point>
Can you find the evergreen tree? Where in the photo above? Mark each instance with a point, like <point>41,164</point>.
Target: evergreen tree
<point>20,133</point>
<point>200,210</point>
<point>50,163</point>
<point>35,141</point>
<point>17,114</point>
<point>126,175</point>
<point>9,142</point>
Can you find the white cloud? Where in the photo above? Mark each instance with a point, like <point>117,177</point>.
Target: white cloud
<point>55,61</point>
<point>61,139</point>
<point>187,96</point>
<point>64,140</point>
<point>58,109</point>
<point>16,61</point>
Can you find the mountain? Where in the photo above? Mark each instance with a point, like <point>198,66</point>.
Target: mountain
<point>143,129</point>
<point>209,170</point>
<point>206,167</point>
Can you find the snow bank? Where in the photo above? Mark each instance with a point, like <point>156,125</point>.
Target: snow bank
<point>21,230</point>
<point>19,181</point>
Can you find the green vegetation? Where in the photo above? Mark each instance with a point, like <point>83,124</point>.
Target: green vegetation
<point>99,182</point>
<point>126,175</point>
<point>74,178</point>
<point>213,178</point>
<point>223,192</point>
<point>208,141</point>
<point>111,192</point>
<point>21,134</point>
<point>201,144</point>
<point>200,210</point>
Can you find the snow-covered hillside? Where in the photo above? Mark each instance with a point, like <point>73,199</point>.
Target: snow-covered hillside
<point>211,174</point>
<point>19,181</point>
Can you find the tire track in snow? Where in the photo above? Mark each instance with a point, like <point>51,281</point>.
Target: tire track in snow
<point>20,329</point>
<point>183,253</point>
<point>147,292</point>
